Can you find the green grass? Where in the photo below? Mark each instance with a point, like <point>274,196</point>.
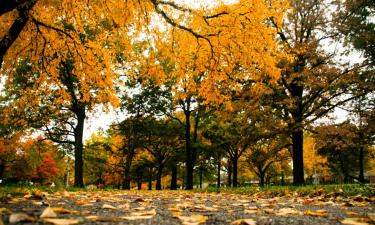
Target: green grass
<point>345,190</point>
<point>18,190</point>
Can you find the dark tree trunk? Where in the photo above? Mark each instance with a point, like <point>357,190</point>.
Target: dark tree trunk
<point>2,168</point>
<point>139,179</point>
<point>174,178</point>
<point>361,177</point>
<point>229,174</point>
<point>262,175</point>
<point>235,172</point>
<point>150,179</point>
<point>188,150</point>
<point>127,178</point>
<point>298,174</point>
<point>297,133</point>
<point>282,179</point>
<point>158,176</point>
<point>200,178</point>
<point>78,147</point>
<point>218,172</point>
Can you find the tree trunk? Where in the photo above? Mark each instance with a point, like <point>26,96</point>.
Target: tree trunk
<point>150,179</point>
<point>218,172</point>
<point>298,174</point>
<point>158,177</point>
<point>262,175</point>
<point>2,168</point>
<point>235,172</point>
<point>200,178</point>
<point>229,174</point>
<point>188,152</point>
<point>127,178</point>
<point>139,179</point>
<point>361,177</point>
<point>78,147</point>
<point>174,178</point>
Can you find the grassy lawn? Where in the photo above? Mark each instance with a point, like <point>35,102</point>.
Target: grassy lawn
<point>344,190</point>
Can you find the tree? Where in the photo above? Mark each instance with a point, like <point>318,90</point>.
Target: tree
<point>342,144</point>
<point>162,142</point>
<point>264,153</point>
<point>47,170</point>
<point>313,83</point>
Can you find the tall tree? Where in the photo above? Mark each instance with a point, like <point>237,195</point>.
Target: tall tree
<point>313,83</point>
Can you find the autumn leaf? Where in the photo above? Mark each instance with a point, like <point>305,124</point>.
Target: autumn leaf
<point>20,217</point>
<point>106,206</point>
<point>48,213</point>
<point>62,221</point>
<point>102,219</point>
<point>192,220</point>
<point>356,221</point>
<point>244,222</point>
<point>140,215</point>
<point>322,213</point>
<point>4,211</point>
<point>288,211</point>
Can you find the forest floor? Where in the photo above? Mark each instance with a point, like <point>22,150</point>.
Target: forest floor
<point>186,207</point>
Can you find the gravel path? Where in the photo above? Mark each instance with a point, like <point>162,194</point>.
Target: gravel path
<point>180,207</point>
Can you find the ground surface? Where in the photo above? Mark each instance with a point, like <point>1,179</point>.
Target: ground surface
<point>180,207</point>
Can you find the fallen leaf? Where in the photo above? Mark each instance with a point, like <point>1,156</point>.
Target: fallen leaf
<point>63,211</point>
<point>322,213</point>
<point>5,211</point>
<point>192,220</point>
<point>62,221</point>
<point>347,204</point>
<point>20,217</point>
<point>356,221</point>
<point>244,222</point>
<point>124,206</point>
<point>251,211</point>
<point>106,206</point>
<point>102,219</point>
<point>48,213</point>
<point>202,208</point>
<point>371,216</point>
<point>140,215</point>
<point>287,211</point>
<point>350,213</point>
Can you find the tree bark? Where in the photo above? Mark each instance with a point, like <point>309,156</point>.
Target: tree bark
<point>158,177</point>
<point>235,172</point>
<point>361,177</point>
<point>188,150</point>
<point>139,179</point>
<point>229,174</point>
<point>261,176</point>
<point>78,147</point>
<point>127,178</point>
<point>2,167</point>
<point>150,179</point>
<point>218,172</point>
<point>298,173</point>
<point>174,178</point>
<point>200,178</point>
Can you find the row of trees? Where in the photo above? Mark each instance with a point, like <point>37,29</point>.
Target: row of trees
<point>244,75</point>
